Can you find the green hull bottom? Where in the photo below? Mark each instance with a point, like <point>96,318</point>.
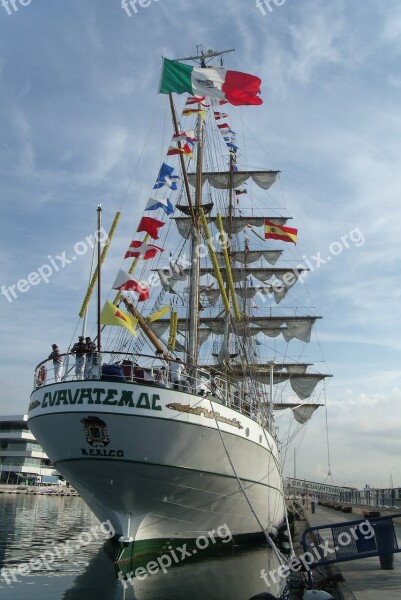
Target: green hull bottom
<point>136,555</point>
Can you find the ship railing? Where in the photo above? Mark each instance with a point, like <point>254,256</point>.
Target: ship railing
<point>155,371</point>
<point>120,366</point>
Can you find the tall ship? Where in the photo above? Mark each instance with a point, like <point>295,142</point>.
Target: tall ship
<point>165,422</point>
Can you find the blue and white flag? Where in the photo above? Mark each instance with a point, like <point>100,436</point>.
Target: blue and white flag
<point>164,203</point>
<point>166,177</point>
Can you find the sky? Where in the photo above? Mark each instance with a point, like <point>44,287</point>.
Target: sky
<point>81,123</point>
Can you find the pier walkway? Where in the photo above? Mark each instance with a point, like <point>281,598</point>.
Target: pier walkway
<point>364,579</point>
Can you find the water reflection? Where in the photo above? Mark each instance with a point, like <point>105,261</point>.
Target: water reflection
<point>31,524</point>
<point>235,576</point>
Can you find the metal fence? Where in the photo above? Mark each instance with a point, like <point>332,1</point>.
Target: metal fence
<point>390,498</point>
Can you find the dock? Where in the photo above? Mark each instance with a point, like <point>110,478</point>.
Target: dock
<point>36,490</point>
<point>363,578</point>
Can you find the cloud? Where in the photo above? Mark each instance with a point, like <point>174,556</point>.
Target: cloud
<point>82,123</point>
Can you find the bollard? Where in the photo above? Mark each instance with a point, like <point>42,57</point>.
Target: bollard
<point>384,535</point>
<point>313,505</point>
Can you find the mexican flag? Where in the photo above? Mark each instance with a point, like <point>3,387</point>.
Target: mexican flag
<point>233,86</point>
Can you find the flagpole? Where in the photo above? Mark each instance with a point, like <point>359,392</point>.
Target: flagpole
<point>99,259</point>
<point>94,278</point>
<point>183,168</point>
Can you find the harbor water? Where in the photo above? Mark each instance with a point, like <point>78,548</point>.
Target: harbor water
<point>53,548</point>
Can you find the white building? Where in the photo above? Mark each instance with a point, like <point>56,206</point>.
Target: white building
<point>21,457</point>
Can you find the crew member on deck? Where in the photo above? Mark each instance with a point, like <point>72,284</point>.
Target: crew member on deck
<point>79,349</point>
<point>160,377</point>
<point>91,357</point>
<point>57,359</point>
<point>176,371</point>
<point>139,374</point>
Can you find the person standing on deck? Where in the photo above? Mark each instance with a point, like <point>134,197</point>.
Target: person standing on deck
<point>91,357</point>
<point>57,359</point>
<point>176,369</point>
<point>160,378</point>
<point>79,349</point>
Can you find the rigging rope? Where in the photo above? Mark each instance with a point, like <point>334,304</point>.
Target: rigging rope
<point>269,540</point>
<point>327,435</point>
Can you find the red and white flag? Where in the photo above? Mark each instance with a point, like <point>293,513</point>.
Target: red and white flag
<point>185,136</point>
<point>142,250</point>
<point>197,100</point>
<point>185,149</point>
<point>126,283</point>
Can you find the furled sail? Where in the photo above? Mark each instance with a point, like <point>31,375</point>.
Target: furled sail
<point>212,295</point>
<point>302,412</point>
<point>223,181</point>
<point>252,256</point>
<point>288,275</point>
<point>291,327</point>
<point>170,276</point>
<point>184,224</point>
<point>248,293</point>
<point>303,385</point>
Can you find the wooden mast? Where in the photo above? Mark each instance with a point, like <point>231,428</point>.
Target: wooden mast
<point>195,242</point>
<point>144,325</point>
<point>99,262</point>
<point>182,162</point>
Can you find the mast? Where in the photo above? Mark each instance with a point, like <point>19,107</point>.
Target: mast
<point>295,463</point>
<point>195,242</point>
<point>271,381</point>
<point>182,162</point>
<point>192,348</point>
<point>99,258</point>
<point>202,57</point>
<point>228,250</point>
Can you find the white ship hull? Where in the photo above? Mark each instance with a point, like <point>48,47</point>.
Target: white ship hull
<point>152,460</point>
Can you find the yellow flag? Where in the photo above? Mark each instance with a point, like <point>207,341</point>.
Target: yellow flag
<point>112,315</point>
<point>194,111</point>
<point>157,315</point>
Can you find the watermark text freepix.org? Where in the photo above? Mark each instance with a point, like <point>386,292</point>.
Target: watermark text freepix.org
<point>45,560</point>
<point>47,270</point>
<point>176,555</point>
<point>132,5</point>
<point>262,5</point>
<point>314,262</point>
<point>12,6</point>
<point>318,553</point>
<point>354,237</point>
